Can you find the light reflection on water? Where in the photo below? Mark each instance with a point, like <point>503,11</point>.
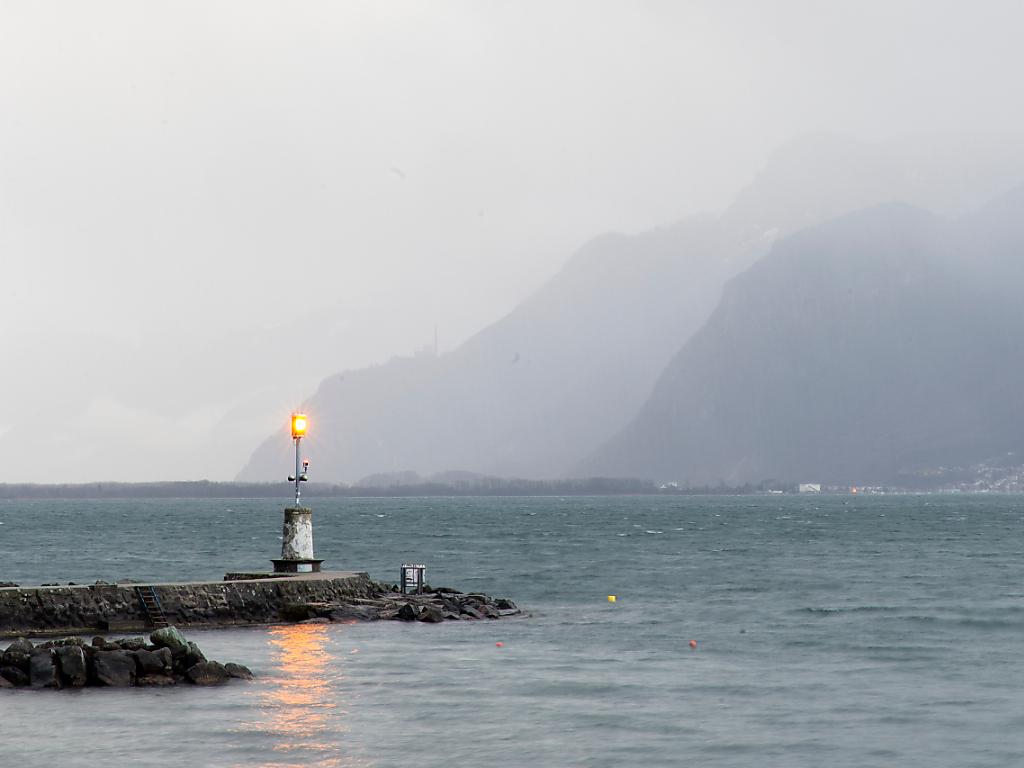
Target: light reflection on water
<point>299,705</point>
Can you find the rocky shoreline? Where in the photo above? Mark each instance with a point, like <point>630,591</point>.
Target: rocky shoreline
<point>432,606</point>
<point>166,659</point>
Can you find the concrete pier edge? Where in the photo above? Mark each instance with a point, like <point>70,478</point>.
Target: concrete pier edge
<point>98,608</point>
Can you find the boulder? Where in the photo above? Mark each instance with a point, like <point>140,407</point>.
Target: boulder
<point>43,670</point>
<point>132,643</point>
<point>208,673</point>
<point>471,611</point>
<point>238,671</point>
<point>152,662</point>
<point>21,644</point>
<point>155,680</point>
<point>356,613</point>
<point>14,675</point>
<point>170,637</point>
<point>192,656</point>
<point>17,654</point>
<point>448,604</point>
<point>62,643</point>
<point>114,668</point>
<point>431,614</point>
<point>407,613</point>
<point>505,604</point>
<point>5,683</point>
<point>73,671</point>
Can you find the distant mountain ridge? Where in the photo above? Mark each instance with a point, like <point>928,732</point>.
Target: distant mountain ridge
<point>535,393</point>
<point>885,341</point>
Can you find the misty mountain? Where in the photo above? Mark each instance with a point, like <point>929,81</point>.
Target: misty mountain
<point>883,342</point>
<point>537,391</point>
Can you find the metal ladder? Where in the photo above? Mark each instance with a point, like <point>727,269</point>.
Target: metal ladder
<point>151,606</point>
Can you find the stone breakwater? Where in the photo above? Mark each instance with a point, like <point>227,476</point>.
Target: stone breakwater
<point>245,600</point>
<point>167,659</point>
<point>432,607</point>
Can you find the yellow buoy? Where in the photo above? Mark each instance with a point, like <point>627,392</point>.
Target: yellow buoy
<point>611,598</point>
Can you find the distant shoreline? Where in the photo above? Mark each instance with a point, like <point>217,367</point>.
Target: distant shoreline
<point>205,489</point>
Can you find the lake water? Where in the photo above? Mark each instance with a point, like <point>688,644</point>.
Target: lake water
<point>831,631</point>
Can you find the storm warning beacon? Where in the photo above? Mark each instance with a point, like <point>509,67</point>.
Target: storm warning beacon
<point>297,537</point>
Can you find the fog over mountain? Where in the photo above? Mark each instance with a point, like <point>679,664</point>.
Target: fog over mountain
<point>536,392</point>
<point>878,344</point>
<point>209,210</point>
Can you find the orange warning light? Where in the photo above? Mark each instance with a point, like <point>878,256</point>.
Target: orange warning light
<point>298,425</point>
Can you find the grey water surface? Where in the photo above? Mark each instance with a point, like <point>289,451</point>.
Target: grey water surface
<point>838,631</point>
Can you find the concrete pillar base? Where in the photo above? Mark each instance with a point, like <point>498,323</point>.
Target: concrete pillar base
<point>301,565</point>
<point>297,535</point>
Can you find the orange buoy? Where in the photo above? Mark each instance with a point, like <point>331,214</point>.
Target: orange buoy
<point>500,644</point>
<point>693,643</point>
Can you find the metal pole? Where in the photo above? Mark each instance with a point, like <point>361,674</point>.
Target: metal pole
<point>297,492</point>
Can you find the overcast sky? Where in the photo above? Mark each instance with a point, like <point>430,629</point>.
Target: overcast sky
<point>206,207</point>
